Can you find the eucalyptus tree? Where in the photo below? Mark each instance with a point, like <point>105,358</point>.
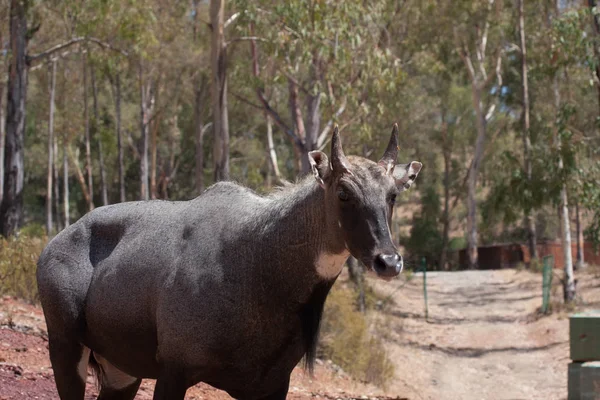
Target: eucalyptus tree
<point>480,44</point>
<point>325,63</point>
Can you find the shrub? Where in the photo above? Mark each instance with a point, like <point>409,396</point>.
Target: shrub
<point>347,342</point>
<point>536,265</point>
<point>18,262</point>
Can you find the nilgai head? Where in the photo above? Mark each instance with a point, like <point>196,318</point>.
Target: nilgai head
<point>359,200</point>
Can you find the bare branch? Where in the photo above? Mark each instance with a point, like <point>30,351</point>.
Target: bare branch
<point>245,38</point>
<point>480,51</point>
<point>75,161</point>
<point>466,178</point>
<point>294,80</point>
<point>206,128</point>
<point>325,133</point>
<point>245,100</point>
<point>62,46</point>
<point>108,46</point>
<point>266,106</point>
<point>490,112</point>
<point>231,19</point>
<point>463,52</point>
<point>51,59</point>
<point>498,70</point>
<point>469,64</point>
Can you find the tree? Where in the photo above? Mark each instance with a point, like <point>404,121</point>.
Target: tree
<point>103,183</point>
<point>481,79</point>
<point>88,147</point>
<point>50,184</point>
<point>219,91</point>
<point>529,219</point>
<point>11,209</point>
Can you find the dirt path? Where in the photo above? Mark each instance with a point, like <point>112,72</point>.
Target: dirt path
<point>483,340</point>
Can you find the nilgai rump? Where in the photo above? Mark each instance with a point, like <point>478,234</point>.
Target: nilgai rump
<point>226,289</point>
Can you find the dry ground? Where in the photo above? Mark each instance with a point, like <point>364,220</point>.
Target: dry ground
<point>484,340</point>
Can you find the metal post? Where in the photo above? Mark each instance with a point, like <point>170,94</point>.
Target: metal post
<point>424,268</point>
<point>547,283</point>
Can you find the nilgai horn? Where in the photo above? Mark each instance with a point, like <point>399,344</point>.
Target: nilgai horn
<point>226,289</point>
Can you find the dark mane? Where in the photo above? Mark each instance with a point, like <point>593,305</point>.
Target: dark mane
<point>312,313</point>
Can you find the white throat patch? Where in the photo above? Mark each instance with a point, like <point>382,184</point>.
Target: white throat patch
<point>329,266</point>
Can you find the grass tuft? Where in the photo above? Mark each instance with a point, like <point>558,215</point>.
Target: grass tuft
<point>18,263</point>
<point>346,340</point>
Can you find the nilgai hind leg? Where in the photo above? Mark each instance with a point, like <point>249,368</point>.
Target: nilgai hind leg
<point>170,385</point>
<point>69,361</point>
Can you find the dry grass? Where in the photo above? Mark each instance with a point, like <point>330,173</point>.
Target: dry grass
<point>347,342</point>
<point>18,259</point>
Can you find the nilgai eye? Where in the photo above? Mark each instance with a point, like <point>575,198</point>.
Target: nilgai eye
<point>343,196</point>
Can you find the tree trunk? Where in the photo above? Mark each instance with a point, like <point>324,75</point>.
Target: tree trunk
<point>472,237</point>
<point>119,138</point>
<point>569,278</point>
<point>272,152</point>
<point>569,283</point>
<point>153,156</point>
<point>219,91</point>
<point>65,179</point>
<point>357,276</point>
<point>145,97</point>
<point>2,131</point>
<point>80,176</point>
<point>56,185</point>
<point>596,23</point>
<point>11,210</point>
<point>298,122</point>
<point>271,148</point>
<point>199,134</point>
<point>529,218</point>
<point>580,242</point>
<point>199,83</point>
<point>313,127</point>
<point>103,187</point>
<point>446,152</point>
<point>88,148</point>
<point>313,115</point>
<point>50,184</point>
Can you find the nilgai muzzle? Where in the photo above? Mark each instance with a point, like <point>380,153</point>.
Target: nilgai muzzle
<point>226,289</point>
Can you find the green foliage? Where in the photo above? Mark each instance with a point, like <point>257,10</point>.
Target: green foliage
<point>425,238</point>
<point>346,340</point>
<point>18,263</point>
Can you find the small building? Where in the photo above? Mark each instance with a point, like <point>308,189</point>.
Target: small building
<point>509,255</point>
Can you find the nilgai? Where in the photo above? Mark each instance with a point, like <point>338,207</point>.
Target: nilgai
<point>226,289</point>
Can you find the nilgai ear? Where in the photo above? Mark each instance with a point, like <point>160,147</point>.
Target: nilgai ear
<point>319,164</point>
<point>339,162</point>
<point>405,174</point>
<point>388,161</point>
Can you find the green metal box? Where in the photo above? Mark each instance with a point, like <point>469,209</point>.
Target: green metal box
<point>584,336</point>
<point>590,380</point>
<point>574,385</point>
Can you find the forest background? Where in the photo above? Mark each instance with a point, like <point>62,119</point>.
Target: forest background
<point>105,101</point>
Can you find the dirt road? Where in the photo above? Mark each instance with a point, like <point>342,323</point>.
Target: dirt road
<point>483,339</point>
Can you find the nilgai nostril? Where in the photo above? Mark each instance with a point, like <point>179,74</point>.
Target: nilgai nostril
<point>390,260</point>
<point>226,289</point>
